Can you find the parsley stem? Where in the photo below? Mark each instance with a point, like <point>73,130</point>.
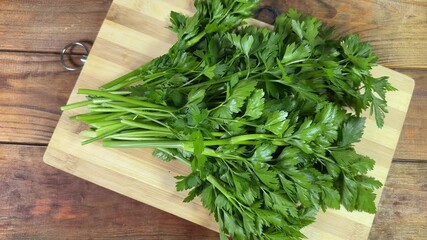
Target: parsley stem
<point>239,139</point>
<point>185,145</point>
<point>325,158</point>
<point>91,117</point>
<point>224,191</point>
<point>145,80</point>
<point>137,111</point>
<point>111,85</point>
<point>123,99</point>
<point>142,144</point>
<point>194,40</point>
<point>100,124</point>
<point>144,126</point>
<point>105,110</point>
<point>101,133</point>
<point>75,105</point>
<point>142,136</point>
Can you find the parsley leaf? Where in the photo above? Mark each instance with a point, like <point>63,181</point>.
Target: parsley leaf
<point>255,105</point>
<point>352,131</point>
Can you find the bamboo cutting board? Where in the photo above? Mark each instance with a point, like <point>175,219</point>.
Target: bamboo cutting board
<point>134,32</point>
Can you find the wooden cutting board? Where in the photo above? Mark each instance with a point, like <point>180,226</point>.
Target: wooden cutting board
<point>134,32</point>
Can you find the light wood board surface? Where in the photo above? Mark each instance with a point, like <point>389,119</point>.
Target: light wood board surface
<point>135,32</point>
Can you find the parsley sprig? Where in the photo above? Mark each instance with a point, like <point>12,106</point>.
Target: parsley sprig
<point>259,115</point>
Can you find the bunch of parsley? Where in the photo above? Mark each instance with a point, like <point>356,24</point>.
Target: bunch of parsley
<point>266,119</point>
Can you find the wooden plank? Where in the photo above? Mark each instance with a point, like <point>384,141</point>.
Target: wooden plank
<point>47,26</point>
<point>148,178</point>
<point>40,202</point>
<point>413,143</point>
<point>396,29</point>
<point>403,208</point>
<point>29,116</point>
<point>32,88</point>
<point>29,106</point>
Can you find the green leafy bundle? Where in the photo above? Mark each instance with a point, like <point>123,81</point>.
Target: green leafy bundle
<point>261,117</point>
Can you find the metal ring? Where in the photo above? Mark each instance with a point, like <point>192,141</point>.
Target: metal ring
<point>82,58</point>
<point>271,9</point>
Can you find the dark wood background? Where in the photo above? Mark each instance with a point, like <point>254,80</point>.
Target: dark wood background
<point>40,202</point>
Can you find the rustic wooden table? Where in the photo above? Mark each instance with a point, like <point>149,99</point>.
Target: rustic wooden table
<point>39,202</point>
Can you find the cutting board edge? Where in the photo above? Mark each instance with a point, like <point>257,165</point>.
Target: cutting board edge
<point>49,159</point>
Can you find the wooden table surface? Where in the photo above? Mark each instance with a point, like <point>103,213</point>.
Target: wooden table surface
<point>40,202</point>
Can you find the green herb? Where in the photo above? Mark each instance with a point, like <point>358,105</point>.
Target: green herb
<point>257,114</point>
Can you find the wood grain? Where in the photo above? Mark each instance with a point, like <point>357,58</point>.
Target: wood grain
<point>403,208</point>
<point>26,184</point>
<point>140,176</point>
<point>413,142</point>
<point>25,101</point>
<point>32,88</point>
<point>40,202</point>
<point>47,26</point>
<point>397,29</point>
